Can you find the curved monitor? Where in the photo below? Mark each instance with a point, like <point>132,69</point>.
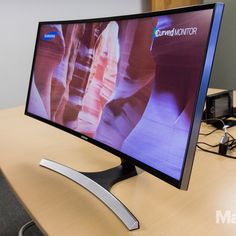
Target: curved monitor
<point>133,85</point>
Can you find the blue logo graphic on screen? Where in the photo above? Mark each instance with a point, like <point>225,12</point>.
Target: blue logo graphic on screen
<point>163,22</point>
<point>49,36</point>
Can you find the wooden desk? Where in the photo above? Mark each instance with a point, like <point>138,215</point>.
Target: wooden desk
<point>61,207</point>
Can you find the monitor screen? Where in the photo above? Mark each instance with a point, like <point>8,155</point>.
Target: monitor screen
<point>133,85</point>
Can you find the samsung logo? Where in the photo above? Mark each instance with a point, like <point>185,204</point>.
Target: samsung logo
<point>175,32</point>
<point>84,137</point>
<point>49,36</point>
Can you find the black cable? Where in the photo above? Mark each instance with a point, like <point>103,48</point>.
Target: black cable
<point>205,150</point>
<point>207,144</point>
<point>206,134</point>
<point>231,135</point>
<point>231,144</point>
<point>214,119</point>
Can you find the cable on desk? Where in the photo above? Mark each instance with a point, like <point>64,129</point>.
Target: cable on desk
<point>227,142</point>
<point>207,144</point>
<point>206,150</point>
<point>214,119</point>
<point>206,134</point>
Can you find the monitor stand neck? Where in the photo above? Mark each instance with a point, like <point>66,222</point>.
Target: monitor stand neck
<point>99,184</point>
<point>109,177</point>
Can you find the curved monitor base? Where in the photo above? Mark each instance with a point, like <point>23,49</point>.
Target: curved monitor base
<point>25,227</point>
<point>99,183</point>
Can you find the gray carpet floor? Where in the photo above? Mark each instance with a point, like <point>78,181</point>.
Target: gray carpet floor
<point>12,214</point>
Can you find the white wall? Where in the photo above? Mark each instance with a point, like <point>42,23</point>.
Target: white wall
<point>224,68</point>
<point>18,27</point>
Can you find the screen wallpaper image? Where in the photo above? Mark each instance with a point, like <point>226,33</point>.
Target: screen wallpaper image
<point>130,84</point>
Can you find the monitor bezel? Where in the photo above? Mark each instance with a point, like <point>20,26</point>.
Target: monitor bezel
<point>183,182</point>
